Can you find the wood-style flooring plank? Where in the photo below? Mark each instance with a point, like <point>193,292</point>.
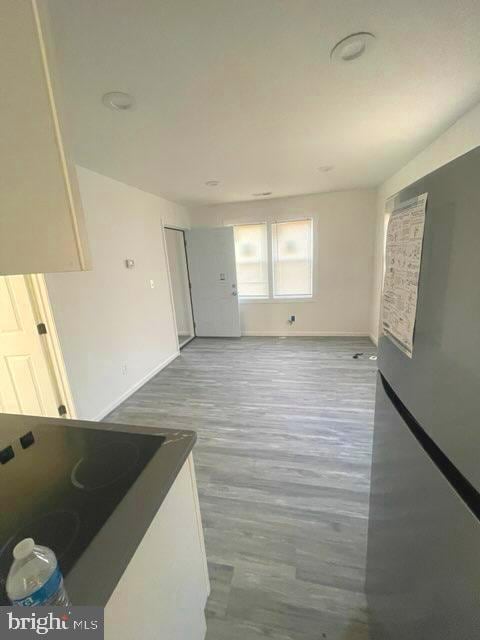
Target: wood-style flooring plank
<point>283,468</point>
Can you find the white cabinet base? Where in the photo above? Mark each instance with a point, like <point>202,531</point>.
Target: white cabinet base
<point>163,592</point>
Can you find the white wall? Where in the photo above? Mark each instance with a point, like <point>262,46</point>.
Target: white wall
<point>344,229</point>
<point>461,137</point>
<point>110,317</point>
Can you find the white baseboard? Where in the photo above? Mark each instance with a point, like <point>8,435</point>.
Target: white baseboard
<point>113,405</point>
<point>324,334</point>
<point>374,339</point>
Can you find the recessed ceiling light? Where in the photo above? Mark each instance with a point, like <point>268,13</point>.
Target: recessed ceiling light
<point>352,47</point>
<point>326,168</point>
<point>118,101</point>
<point>212,183</point>
<point>262,194</point>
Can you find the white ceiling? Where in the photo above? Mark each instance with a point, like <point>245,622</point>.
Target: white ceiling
<point>243,91</point>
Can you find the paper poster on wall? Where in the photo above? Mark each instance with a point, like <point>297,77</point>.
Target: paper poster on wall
<point>403,258</point>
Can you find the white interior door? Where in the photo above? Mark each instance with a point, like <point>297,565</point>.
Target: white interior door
<point>26,385</point>
<point>213,275</point>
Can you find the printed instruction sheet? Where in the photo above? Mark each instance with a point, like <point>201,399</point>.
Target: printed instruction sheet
<point>403,257</point>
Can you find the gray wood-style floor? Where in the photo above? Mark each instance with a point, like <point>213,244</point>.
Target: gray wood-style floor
<point>283,466</point>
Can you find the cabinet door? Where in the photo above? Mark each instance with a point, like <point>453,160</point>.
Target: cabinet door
<point>163,591</point>
<point>41,220</point>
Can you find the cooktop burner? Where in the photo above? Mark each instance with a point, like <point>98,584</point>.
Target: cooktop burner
<point>108,463</point>
<point>62,484</point>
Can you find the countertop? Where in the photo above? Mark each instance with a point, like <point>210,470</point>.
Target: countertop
<point>96,572</point>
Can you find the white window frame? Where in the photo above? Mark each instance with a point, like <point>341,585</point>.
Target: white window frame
<point>280,299</point>
<point>294,296</point>
<point>269,264</point>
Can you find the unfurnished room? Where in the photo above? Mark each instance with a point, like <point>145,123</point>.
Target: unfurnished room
<point>239,319</point>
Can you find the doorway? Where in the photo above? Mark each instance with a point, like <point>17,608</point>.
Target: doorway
<point>180,283</point>
<point>33,379</point>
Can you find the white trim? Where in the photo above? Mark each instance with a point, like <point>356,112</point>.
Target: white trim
<point>273,258</point>
<point>42,311</point>
<point>269,228</point>
<point>268,258</point>
<point>74,203</point>
<point>173,227</point>
<point>187,341</point>
<point>284,300</point>
<point>325,334</point>
<point>374,339</point>
<point>170,285</point>
<point>113,405</point>
<point>198,522</point>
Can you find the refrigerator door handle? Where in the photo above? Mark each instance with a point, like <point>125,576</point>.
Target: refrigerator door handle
<point>462,486</point>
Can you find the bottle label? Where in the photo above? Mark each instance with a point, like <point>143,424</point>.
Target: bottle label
<point>42,595</point>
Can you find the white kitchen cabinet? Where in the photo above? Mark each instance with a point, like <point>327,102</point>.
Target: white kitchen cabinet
<point>164,589</point>
<point>41,220</point>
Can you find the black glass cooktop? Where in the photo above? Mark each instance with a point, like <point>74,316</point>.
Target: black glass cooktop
<point>59,485</point>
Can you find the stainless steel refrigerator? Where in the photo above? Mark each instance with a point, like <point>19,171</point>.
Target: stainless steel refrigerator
<point>423,566</point>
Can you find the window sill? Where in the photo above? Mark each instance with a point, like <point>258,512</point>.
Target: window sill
<point>275,300</point>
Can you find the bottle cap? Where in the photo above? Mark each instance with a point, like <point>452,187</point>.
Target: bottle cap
<point>23,549</point>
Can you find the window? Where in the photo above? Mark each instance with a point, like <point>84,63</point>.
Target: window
<point>292,259</point>
<point>286,271</point>
<point>251,252</point>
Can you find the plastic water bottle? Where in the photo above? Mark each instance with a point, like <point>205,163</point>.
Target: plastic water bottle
<point>34,578</point>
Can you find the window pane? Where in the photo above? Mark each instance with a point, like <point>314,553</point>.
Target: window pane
<point>292,258</point>
<point>252,258</point>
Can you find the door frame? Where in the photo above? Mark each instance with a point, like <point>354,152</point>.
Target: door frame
<point>182,231</point>
<point>51,345</point>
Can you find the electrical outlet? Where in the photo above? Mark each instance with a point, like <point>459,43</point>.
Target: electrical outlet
<point>291,319</point>
<point>152,284</point>
<point>124,369</point>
